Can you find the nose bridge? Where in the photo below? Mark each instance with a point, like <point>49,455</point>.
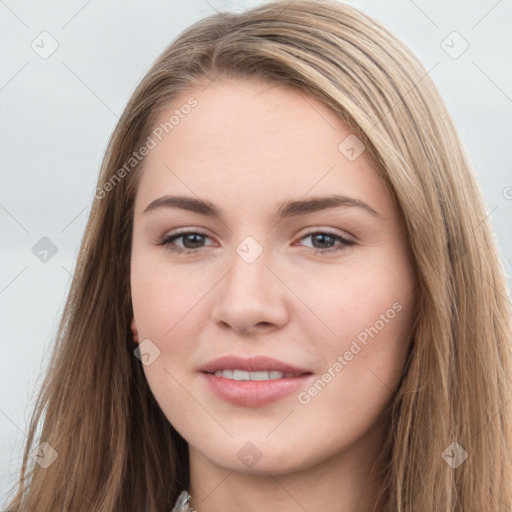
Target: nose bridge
<point>250,293</point>
<point>249,273</point>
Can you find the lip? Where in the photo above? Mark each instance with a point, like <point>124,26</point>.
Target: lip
<point>248,393</point>
<point>253,393</point>
<point>250,364</point>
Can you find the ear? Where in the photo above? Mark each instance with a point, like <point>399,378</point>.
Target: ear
<point>134,331</point>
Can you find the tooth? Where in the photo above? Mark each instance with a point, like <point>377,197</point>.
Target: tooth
<point>228,374</point>
<point>259,375</point>
<point>241,375</point>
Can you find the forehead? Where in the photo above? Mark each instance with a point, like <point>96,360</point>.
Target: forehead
<point>236,116</point>
<point>250,139</point>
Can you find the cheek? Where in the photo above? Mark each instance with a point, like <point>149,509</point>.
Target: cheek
<point>361,364</point>
<point>163,305</point>
<point>164,296</point>
<point>368,308</point>
<point>353,295</point>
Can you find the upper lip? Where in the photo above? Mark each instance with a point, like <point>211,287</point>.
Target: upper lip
<point>250,364</point>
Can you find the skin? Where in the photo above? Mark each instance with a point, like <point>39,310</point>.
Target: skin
<point>246,147</point>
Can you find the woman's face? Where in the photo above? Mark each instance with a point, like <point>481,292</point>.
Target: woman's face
<point>284,244</point>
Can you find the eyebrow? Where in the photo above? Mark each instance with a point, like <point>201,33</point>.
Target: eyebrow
<point>286,209</point>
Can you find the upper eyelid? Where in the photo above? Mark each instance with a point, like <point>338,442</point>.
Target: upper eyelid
<point>308,231</point>
<point>182,233</point>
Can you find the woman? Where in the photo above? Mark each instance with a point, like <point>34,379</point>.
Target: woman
<point>288,295</point>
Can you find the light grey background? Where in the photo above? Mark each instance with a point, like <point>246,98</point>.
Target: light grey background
<point>57,113</point>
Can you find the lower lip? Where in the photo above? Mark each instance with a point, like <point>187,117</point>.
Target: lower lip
<point>250,393</point>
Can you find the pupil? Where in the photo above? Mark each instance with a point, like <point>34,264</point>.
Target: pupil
<point>192,235</point>
<point>322,238</point>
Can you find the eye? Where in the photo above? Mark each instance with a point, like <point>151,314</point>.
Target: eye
<point>193,241</point>
<point>324,241</point>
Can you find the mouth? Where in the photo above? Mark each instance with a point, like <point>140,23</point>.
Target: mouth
<point>253,382</point>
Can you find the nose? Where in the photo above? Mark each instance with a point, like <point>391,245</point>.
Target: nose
<point>251,298</point>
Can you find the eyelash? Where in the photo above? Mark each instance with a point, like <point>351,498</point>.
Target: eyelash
<point>168,240</point>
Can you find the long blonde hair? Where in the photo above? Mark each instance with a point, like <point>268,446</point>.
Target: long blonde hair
<point>117,451</point>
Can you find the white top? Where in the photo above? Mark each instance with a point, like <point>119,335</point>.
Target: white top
<point>182,503</point>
